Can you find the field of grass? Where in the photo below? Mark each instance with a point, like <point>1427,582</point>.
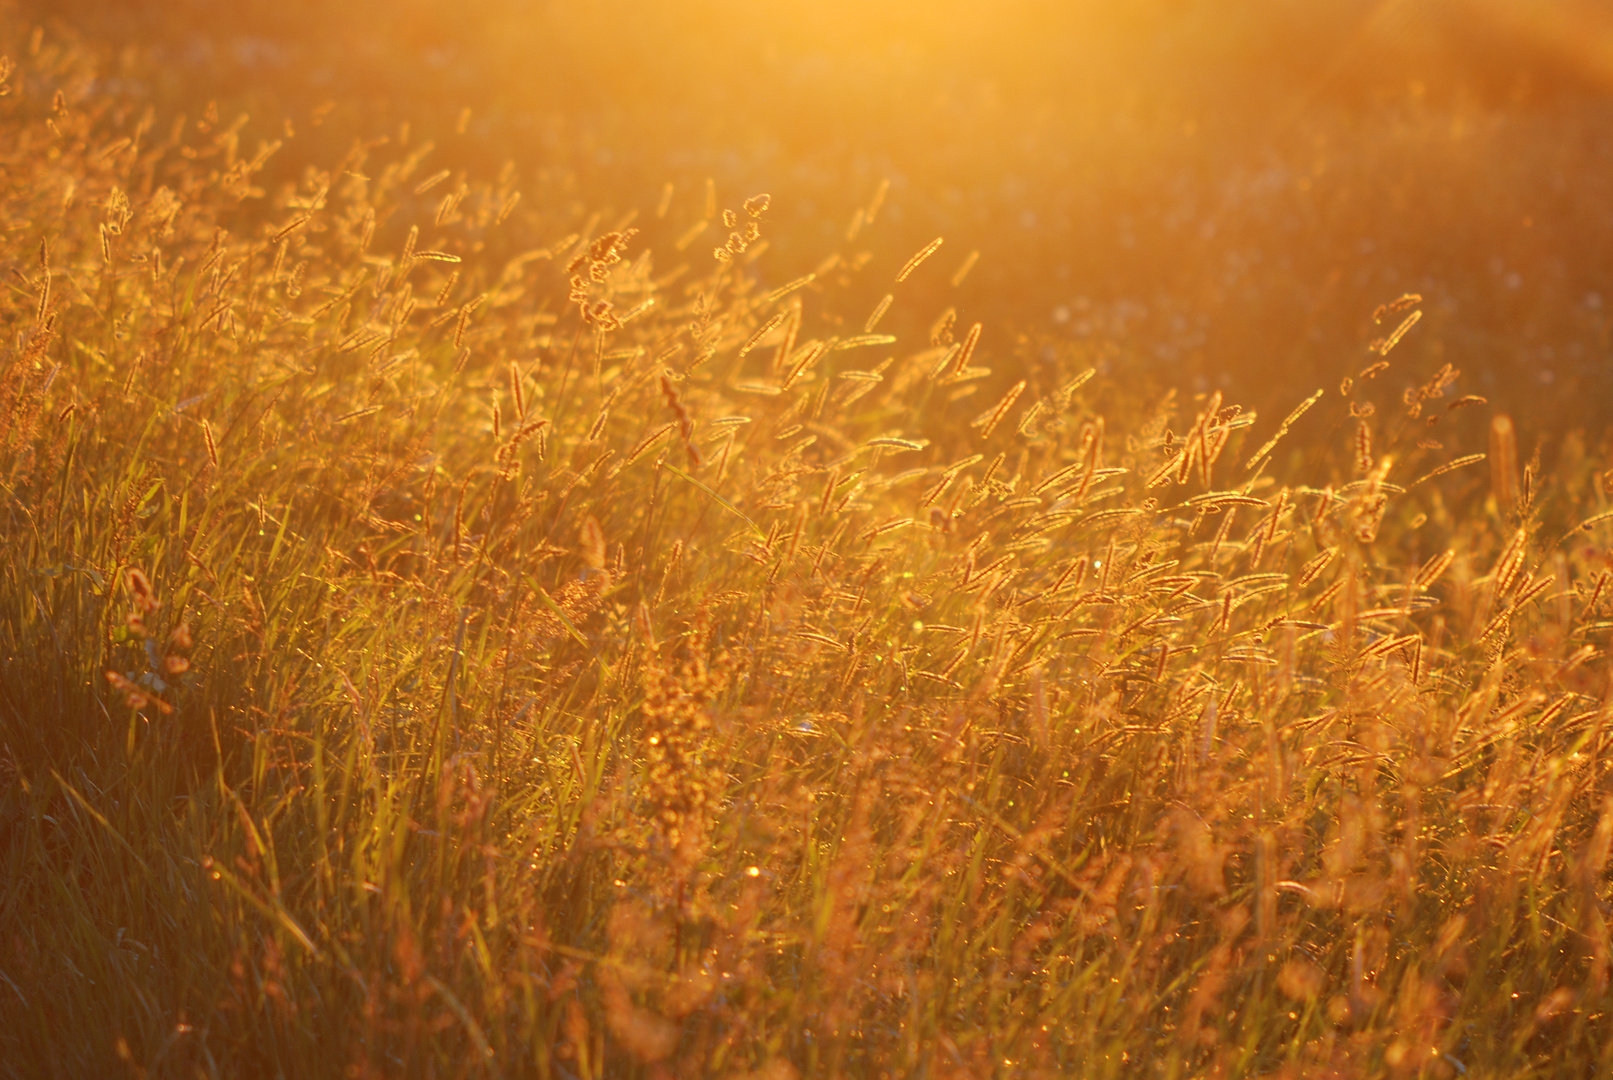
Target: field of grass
<point>447,630</point>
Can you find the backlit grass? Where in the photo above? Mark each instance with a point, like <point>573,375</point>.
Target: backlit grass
<point>445,632</point>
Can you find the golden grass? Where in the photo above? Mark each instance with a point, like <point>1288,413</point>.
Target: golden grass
<point>439,638</point>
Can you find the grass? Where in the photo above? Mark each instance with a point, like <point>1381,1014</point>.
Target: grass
<point>448,634</point>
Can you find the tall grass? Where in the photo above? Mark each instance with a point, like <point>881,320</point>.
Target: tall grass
<point>452,634</point>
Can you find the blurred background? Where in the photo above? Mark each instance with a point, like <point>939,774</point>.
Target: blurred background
<point>1204,194</point>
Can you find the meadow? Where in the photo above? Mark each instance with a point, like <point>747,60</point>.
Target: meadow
<point>452,629</point>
